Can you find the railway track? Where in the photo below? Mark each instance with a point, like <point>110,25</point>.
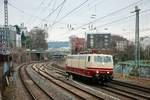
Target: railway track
<point>123,89</point>
<point>133,86</point>
<point>128,90</point>
<point>58,70</point>
<point>71,88</point>
<point>33,89</point>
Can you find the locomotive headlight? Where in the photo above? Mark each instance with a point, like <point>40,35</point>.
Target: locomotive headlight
<point>97,71</point>
<point>107,72</point>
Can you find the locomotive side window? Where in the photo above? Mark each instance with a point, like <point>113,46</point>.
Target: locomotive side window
<point>88,58</point>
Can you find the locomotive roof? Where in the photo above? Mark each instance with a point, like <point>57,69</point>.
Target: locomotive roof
<point>90,55</point>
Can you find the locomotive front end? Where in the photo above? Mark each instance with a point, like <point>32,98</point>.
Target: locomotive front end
<point>103,68</point>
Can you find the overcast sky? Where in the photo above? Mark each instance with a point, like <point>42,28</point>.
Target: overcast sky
<point>39,12</point>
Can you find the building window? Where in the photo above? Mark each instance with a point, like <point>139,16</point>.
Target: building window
<point>106,40</point>
<point>91,42</point>
<point>106,36</point>
<point>91,36</point>
<point>106,44</point>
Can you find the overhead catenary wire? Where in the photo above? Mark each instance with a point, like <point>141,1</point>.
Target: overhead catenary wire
<point>49,4</point>
<point>42,11</point>
<point>124,8</point>
<point>121,19</point>
<point>53,6</point>
<point>125,18</point>
<point>38,7</point>
<point>72,11</point>
<point>115,21</point>
<point>110,14</point>
<point>58,14</point>
<point>22,11</point>
<point>76,9</point>
<point>55,9</point>
<point>118,20</point>
<point>98,3</point>
<point>42,2</point>
<point>56,18</point>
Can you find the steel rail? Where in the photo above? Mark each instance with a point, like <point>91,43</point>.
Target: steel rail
<point>63,82</point>
<point>30,91</point>
<point>26,87</point>
<point>123,92</point>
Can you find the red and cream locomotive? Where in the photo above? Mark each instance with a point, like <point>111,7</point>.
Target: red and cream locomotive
<point>98,67</point>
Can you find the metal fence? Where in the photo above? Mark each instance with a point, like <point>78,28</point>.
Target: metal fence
<point>129,68</point>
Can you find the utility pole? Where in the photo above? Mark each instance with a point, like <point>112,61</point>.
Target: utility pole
<point>137,44</point>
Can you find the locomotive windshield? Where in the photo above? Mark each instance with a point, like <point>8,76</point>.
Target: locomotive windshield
<point>105,59</point>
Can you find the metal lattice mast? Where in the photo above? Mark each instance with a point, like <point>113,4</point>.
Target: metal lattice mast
<point>6,34</point>
<point>6,12</point>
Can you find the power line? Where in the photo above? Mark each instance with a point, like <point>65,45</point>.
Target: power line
<point>115,21</point>
<point>72,11</point>
<point>22,11</point>
<point>118,20</point>
<point>49,4</point>
<point>110,14</point>
<point>38,7</point>
<point>117,11</point>
<point>58,14</point>
<point>53,6</point>
<point>55,9</point>
<point>42,2</point>
<point>75,9</point>
<point>100,2</point>
<point>42,10</point>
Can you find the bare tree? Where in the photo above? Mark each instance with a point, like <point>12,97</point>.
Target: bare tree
<point>38,39</point>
